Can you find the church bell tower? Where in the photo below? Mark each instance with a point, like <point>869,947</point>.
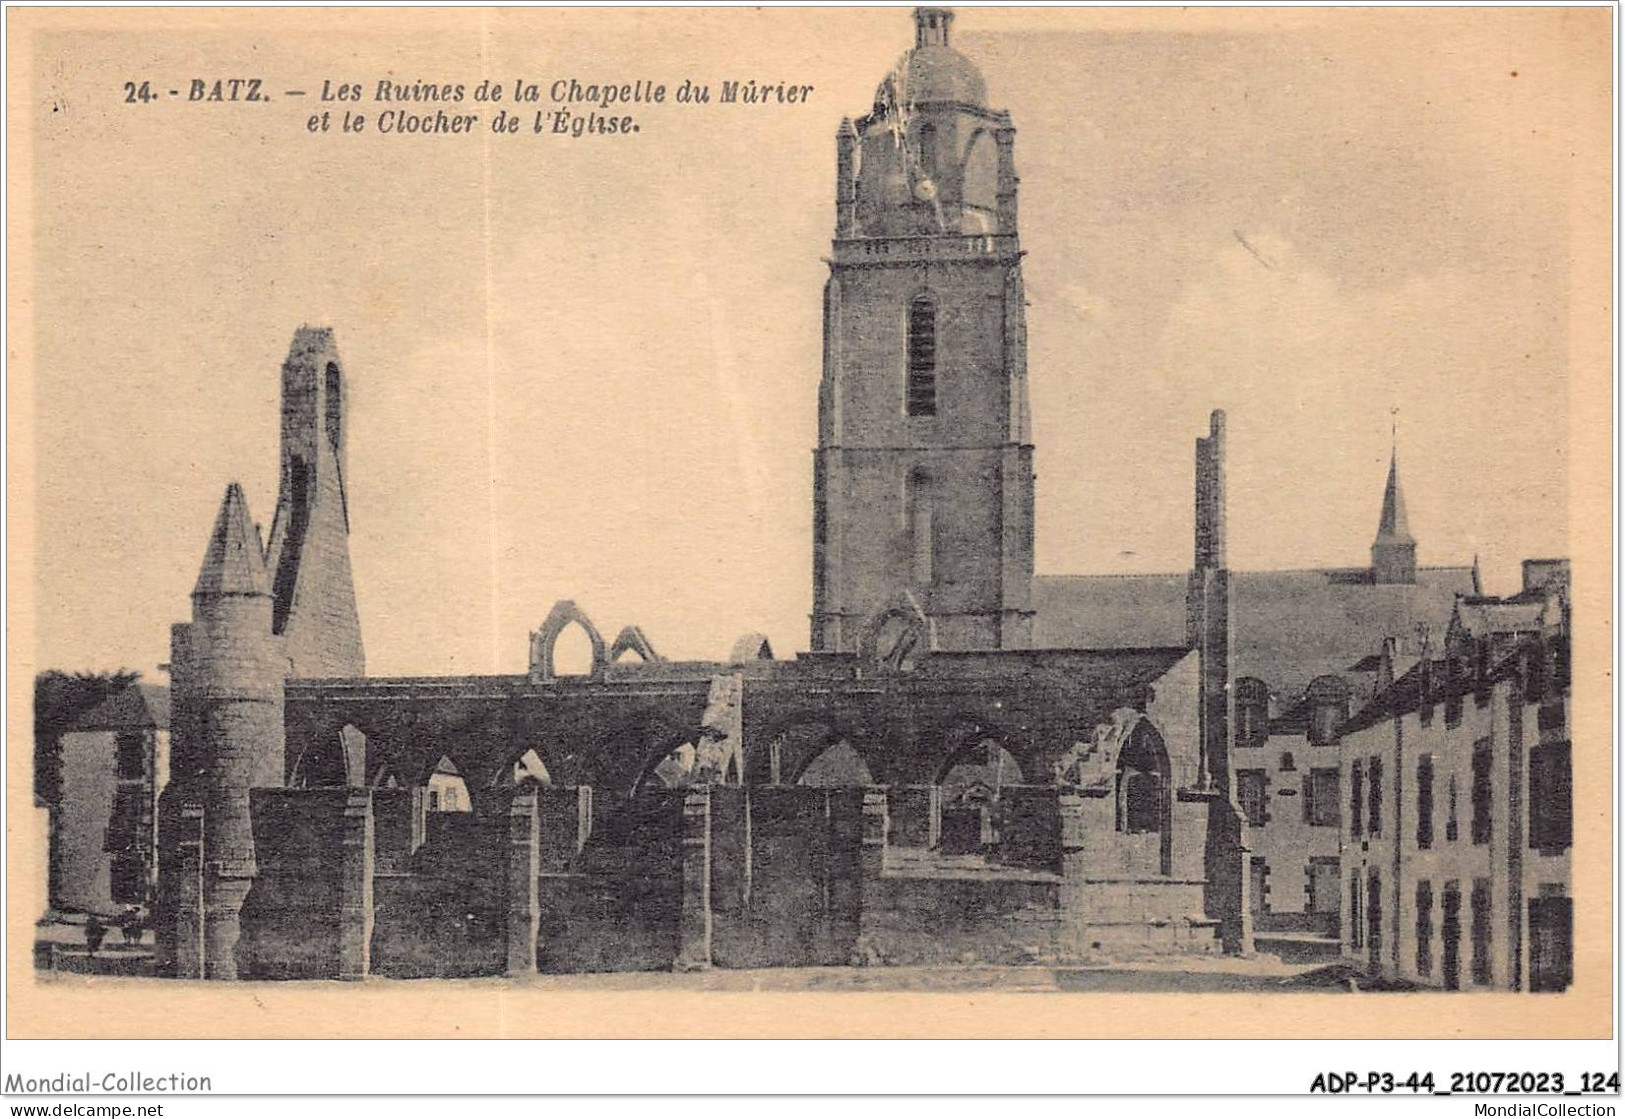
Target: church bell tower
<point>923,477</point>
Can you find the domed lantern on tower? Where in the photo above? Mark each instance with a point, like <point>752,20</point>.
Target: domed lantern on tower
<point>928,158</point>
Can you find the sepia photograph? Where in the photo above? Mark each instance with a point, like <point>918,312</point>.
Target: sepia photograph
<point>621,509</point>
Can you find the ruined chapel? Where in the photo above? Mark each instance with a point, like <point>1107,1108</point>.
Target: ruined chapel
<point>969,764</point>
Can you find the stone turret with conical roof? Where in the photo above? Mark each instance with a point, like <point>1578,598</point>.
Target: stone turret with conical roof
<point>1393,552</point>
<point>227,671</point>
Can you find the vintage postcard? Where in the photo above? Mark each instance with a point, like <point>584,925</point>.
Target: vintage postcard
<point>810,522</point>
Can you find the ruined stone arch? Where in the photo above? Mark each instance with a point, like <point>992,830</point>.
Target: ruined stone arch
<point>839,765</point>
<point>1143,780</point>
<point>1144,787</point>
<point>529,768</point>
<point>336,759</point>
<point>544,641</point>
<point>750,647</point>
<point>666,763</point>
<point>897,634</point>
<point>632,640</point>
<point>778,751</point>
<point>978,753</point>
<point>979,180</point>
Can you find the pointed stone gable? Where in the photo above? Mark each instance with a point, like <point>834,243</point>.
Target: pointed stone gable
<point>235,560</point>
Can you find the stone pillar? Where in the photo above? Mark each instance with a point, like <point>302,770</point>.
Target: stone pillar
<point>185,889</point>
<point>1226,896</point>
<point>846,140</point>
<point>843,871</point>
<point>355,903</point>
<point>583,816</point>
<point>694,937</point>
<point>876,822</point>
<point>1005,137</point>
<point>222,922</point>
<point>524,865</point>
<point>1073,855</point>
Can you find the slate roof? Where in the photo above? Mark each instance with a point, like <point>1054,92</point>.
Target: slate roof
<point>1290,626</point>
<point>138,707</point>
<point>1430,681</point>
<point>1485,616</point>
<point>1393,526</point>
<point>235,561</point>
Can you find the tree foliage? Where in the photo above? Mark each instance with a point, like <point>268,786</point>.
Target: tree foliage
<point>59,699</point>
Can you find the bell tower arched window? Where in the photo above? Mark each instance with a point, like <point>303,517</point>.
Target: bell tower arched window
<point>920,511</point>
<point>928,150</point>
<point>922,358</point>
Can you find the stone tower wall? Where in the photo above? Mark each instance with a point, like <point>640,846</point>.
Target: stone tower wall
<point>309,560</point>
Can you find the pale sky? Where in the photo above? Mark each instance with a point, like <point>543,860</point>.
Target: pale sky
<point>588,368</point>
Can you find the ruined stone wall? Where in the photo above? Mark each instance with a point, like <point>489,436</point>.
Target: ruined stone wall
<point>617,906</point>
<point>306,915</point>
<point>443,910</point>
<point>356,882</point>
<point>785,889</point>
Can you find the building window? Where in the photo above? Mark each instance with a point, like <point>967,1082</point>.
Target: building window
<point>1320,797</point>
<point>1373,808</point>
<point>1252,712</point>
<point>1535,672</point>
<point>1455,685</point>
<point>1551,798</point>
<point>1481,790</point>
<point>1451,828</point>
<point>1356,917</point>
<point>127,882</point>
<point>922,358</point>
<point>921,514</point>
<point>1424,928</point>
<point>124,831</point>
<point>1289,764</point>
<point>1143,789</point>
<point>1323,723</point>
<point>1142,803</point>
<point>1356,800</point>
<point>131,755</point>
<point>1328,698</point>
<point>1551,942</point>
<point>1325,874</point>
<point>1252,790</point>
<point>928,150</point>
<point>1450,936</point>
<point>1481,931</point>
<point>1424,802</point>
<point>1373,917</point>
